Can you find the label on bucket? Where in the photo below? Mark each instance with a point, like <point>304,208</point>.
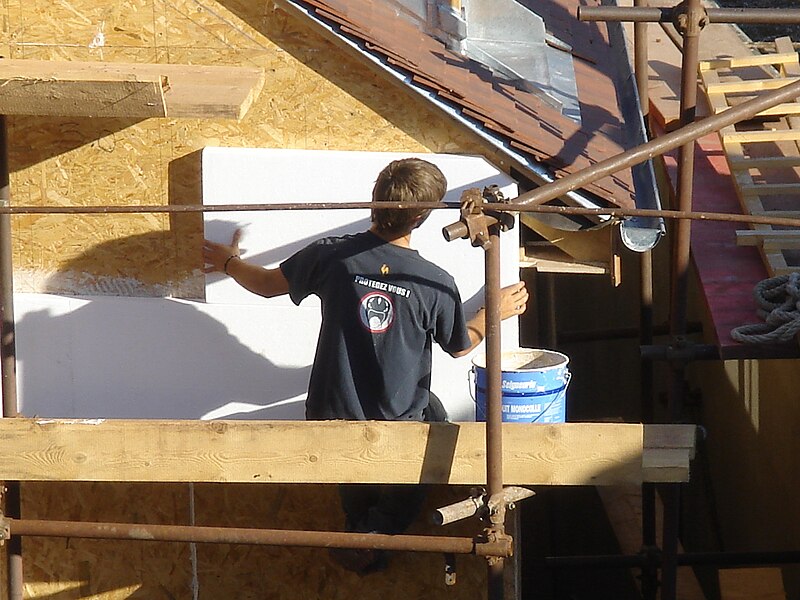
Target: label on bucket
<point>523,409</point>
<point>514,385</point>
<point>534,393</point>
<point>519,408</point>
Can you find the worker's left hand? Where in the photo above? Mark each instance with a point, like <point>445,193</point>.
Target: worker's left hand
<point>513,300</point>
<point>215,255</point>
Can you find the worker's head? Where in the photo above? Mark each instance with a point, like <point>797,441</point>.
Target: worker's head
<point>406,180</point>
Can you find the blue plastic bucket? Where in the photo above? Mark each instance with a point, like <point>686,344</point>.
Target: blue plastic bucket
<point>533,386</point>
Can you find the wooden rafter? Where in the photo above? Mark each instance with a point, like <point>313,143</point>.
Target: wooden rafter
<point>100,89</point>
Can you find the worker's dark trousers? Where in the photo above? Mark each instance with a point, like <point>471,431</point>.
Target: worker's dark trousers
<point>386,508</point>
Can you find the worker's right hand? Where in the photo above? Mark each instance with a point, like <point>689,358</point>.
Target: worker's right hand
<point>215,255</point>
<point>513,300</point>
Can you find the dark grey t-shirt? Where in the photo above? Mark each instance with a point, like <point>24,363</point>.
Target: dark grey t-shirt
<point>382,307</point>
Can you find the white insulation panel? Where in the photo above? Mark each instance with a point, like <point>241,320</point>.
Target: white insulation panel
<point>239,355</point>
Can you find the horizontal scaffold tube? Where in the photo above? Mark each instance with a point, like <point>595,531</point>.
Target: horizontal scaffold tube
<point>267,537</point>
<point>665,14</point>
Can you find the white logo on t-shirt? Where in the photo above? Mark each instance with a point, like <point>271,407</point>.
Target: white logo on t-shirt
<point>377,312</point>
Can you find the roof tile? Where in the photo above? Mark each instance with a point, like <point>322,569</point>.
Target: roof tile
<point>525,121</point>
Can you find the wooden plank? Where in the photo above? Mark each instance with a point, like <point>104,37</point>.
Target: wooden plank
<point>770,189</point>
<point>750,85</point>
<point>755,60</point>
<point>107,89</point>
<point>766,162</point>
<point>71,98</point>
<point>771,135</point>
<point>784,44</point>
<point>555,260</point>
<point>331,452</point>
<point>749,234</point>
<point>786,109</point>
<point>663,464</point>
<point>771,239</point>
<point>785,47</point>
<point>670,436</point>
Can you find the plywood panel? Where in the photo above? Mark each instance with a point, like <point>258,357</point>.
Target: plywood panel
<point>111,570</point>
<point>89,24</point>
<point>120,570</point>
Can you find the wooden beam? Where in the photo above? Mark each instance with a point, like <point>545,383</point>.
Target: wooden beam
<point>551,259</point>
<point>749,85</point>
<point>765,162</point>
<point>770,135</point>
<point>99,89</point>
<point>774,239</point>
<point>749,61</point>
<point>338,452</point>
<point>781,110</point>
<point>770,189</point>
<point>592,245</point>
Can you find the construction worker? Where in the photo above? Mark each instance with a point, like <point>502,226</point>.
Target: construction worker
<point>382,307</point>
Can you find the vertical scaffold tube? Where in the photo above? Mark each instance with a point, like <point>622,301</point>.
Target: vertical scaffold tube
<point>494,408</point>
<point>8,358</point>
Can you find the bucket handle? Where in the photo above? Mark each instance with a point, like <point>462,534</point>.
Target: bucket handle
<point>562,392</point>
<point>472,381</point>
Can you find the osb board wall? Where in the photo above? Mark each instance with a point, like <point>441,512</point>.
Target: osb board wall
<point>114,570</point>
<point>315,97</point>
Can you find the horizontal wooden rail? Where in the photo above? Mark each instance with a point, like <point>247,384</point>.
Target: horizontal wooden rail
<point>339,452</point>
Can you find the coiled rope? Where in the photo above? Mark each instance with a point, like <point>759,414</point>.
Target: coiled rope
<point>778,299</point>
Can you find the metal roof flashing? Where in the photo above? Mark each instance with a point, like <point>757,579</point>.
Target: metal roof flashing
<point>509,39</point>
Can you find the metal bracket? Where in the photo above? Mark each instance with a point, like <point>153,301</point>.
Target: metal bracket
<point>472,216</point>
<point>449,569</point>
<point>477,504</point>
<point>689,20</point>
<point>5,529</point>
<point>498,537</point>
<point>494,194</point>
<point>477,220</point>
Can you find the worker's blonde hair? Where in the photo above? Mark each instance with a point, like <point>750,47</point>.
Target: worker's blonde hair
<point>406,180</point>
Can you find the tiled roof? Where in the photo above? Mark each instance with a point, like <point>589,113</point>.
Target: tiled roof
<point>519,118</point>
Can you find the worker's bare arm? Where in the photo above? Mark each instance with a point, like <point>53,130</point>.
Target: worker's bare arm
<point>513,302</point>
<point>225,259</point>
